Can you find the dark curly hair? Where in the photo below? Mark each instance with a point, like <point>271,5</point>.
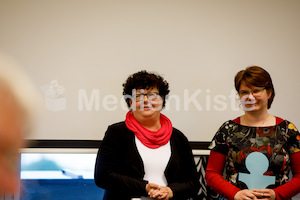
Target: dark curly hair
<point>146,80</point>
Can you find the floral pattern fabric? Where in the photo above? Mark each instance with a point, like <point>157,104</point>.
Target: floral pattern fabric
<point>275,142</point>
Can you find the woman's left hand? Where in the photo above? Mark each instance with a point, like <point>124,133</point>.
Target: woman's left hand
<point>267,194</point>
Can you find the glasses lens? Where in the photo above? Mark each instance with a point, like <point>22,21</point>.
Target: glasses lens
<point>152,96</point>
<point>255,92</point>
<point>139,97</point>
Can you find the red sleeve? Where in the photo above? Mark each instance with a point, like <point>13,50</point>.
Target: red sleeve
<point>292,187</point>
<point>214,176</point>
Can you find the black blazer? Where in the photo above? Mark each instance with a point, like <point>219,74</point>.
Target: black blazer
<point>119,167</point>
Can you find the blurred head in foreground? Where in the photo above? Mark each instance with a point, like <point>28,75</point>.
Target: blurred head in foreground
<point>19,102</point>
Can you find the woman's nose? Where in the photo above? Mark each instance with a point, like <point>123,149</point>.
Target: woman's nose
<point>250,96</point>
<point>145,98</point>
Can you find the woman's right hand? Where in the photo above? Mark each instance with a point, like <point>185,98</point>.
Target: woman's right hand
<point>157,192</point>
<point>244,195</point>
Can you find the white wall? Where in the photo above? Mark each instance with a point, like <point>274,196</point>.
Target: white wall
<point>197,45</point>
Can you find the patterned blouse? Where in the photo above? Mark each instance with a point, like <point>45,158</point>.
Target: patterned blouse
<point>275,142</point>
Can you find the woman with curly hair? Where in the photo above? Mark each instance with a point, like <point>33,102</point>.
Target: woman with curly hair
<point>145,157</point>
<point>255,142</point>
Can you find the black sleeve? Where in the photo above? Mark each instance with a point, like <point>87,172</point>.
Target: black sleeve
<point>182,175</point>
<point>111,172</point>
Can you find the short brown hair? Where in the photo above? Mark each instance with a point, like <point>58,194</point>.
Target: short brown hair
<point>255,76</point>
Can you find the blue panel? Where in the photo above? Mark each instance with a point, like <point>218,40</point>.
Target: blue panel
<point>58,189</point>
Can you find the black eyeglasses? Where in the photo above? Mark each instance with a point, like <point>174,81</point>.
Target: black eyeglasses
<point>151,96</point>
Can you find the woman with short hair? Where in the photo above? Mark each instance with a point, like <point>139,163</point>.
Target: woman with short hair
<point>145,157</point>
<point>276,139</point>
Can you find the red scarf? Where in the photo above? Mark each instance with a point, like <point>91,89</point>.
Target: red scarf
<point>151,139</point>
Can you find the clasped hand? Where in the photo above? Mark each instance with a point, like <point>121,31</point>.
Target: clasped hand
<point>266,194</point>
<point>159,192</point>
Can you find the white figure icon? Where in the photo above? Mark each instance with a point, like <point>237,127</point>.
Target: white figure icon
<point>257,164</point>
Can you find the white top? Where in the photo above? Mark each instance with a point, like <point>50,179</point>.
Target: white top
<point>155,162</point>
